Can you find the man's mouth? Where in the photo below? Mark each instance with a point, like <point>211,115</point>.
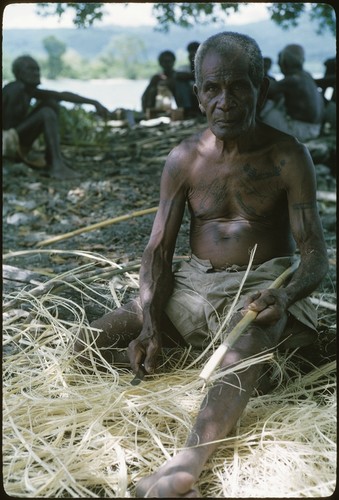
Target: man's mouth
<point>226,121</point>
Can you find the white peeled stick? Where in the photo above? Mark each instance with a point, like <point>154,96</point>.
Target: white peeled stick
<point>217,356</point>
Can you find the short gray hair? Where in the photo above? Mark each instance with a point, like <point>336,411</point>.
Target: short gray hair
<point>223,43</point>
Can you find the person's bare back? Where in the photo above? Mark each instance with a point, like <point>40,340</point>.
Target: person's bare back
<point>302,99</point>
<point>294,105</point>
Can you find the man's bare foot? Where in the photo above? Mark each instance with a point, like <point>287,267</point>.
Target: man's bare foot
<point>62,173</point>
<point>172,480</point>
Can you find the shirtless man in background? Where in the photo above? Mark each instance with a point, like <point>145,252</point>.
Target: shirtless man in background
<point>245,183</point>
<point>294,104</point>
<point>27,125</point>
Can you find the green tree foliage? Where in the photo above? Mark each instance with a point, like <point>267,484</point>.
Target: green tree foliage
<point>122,57</point>
<point>55,49</point>
<point>188,14</point>
<point>81,128</point>
<point>84,13</point>
<point>7,74</point>
<point>288,14</point>
<point>124,52</point>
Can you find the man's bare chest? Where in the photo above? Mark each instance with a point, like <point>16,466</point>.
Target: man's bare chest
<point>248,192</point>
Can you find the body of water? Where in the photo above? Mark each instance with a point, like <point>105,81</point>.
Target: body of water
<point>116,92</point>
<point>112,92</point>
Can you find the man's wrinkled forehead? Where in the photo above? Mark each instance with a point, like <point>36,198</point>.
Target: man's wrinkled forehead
<point>233,62</point>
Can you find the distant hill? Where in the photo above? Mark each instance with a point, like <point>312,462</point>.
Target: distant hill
<point>91,42</point>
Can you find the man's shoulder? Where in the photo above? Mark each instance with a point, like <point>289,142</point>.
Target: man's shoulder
<point>279,142</point>
<point>190,144</point>
<point>13,85</point>
<point>13,90</point>
<point>186,152</point>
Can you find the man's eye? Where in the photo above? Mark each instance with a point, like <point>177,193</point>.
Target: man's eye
<point>210,88</point>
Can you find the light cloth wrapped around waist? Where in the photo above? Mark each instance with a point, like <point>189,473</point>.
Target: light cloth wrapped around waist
<point>10,143</point>
<point>202,296</point>
<point>12,149</point>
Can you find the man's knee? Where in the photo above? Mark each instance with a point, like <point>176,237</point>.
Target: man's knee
<point>254,341</point>
<point>48,113</point>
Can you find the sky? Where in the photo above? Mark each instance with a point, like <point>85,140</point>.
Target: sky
<point>22,15</point>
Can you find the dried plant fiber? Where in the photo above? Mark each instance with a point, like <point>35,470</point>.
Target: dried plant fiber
<point>76,432</point>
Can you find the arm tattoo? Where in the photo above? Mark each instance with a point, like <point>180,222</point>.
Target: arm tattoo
<point>304,206</point>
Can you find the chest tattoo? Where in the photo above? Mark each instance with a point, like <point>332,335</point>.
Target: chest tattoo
<point>214,191</point>
<point>245,206</point>
<point>253,174</point>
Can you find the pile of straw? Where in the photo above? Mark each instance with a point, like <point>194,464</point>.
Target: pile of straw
<point>74,431</point>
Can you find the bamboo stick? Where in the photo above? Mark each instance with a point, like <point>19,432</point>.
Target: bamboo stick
<point>216,358</point>
<point>98,225</point>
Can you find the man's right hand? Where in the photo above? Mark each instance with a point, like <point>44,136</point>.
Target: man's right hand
<point>143,351</point>
<point>102,111</point>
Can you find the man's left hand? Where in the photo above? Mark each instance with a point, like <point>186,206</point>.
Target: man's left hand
<point>270,305</point>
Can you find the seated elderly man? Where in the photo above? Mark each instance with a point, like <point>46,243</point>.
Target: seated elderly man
<point>294,104</point>
<point>245,184</point>
<point>21,125</point>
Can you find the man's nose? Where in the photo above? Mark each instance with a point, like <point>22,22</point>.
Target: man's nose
<point>226,100</point>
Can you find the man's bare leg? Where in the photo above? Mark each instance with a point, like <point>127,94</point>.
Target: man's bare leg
<point>45,120</point>
<point>115,329</point>
<point>219,412</point>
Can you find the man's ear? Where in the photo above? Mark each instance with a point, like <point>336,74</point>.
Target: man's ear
<point>263,93</point>
<point>201,107</point>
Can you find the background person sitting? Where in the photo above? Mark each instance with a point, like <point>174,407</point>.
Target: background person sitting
<point>166,78</point>
<point>166,85</point>
<point>294,104</point>
<point>186,74</point>
<point>328,83</point>
<point>267,67</point>
<point>22,125</point>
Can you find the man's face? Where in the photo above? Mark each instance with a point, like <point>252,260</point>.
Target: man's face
<point>30,72</point>
<point>167,63</point>
<point>227,94</point>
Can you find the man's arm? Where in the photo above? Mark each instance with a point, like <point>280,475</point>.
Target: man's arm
<point>42,94</point>
<point>306,228</point>
<point>14,104</point>
<point>156,278</point>
<point>148,96</point>
<point>282,88</point>
<point>307,231</point>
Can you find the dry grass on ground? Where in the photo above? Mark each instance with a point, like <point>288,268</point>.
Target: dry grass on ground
<point>75,432</point>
